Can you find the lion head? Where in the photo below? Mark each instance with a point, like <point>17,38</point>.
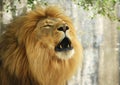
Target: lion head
<point>40,46</point>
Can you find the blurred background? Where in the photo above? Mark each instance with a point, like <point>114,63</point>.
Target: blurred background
<point>98,28</point>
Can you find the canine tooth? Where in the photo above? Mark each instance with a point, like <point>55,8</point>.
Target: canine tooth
<point>60,46</point>
<point>68,45</point>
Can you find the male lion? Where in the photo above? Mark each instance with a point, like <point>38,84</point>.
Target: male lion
<point>39,48</point>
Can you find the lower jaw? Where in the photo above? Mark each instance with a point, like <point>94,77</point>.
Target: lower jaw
<point>65,55</point>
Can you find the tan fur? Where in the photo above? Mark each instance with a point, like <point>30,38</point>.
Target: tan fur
<point>27,53</point>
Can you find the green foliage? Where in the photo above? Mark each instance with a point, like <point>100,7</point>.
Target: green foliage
<point>31,3</point>
<point>10,6</point>
<point>103,7</point>
<point>118,27</point>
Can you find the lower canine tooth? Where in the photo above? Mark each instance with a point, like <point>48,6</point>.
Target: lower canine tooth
<point>60,46</point>
<point>68,46</point>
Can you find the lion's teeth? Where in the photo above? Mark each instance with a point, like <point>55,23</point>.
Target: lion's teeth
<point>60,46</point>
<point>68,46</point>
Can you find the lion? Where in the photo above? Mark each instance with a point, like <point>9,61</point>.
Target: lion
<point>39,48</point>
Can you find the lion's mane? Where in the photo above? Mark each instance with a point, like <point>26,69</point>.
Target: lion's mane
<point>27,56</point>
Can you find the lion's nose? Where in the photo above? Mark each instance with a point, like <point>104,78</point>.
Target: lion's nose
<point>63,28</point>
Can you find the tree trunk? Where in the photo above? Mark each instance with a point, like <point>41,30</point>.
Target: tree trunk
<point>109,62</point>
<point>1,8</point>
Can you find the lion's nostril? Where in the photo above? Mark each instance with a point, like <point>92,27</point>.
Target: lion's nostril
<point>67,27</point>
<point>64,28</point>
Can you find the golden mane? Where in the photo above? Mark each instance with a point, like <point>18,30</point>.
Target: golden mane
<point>27,57</point>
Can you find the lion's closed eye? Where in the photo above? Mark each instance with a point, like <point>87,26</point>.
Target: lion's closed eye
<point>48,26</point>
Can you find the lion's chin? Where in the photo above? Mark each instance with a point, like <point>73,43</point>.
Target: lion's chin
<point>65,54</point>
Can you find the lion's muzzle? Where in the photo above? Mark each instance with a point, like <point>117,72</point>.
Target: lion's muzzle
<point>65,43</point>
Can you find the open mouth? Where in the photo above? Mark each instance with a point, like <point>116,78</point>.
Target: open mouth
<point>64,45</point>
